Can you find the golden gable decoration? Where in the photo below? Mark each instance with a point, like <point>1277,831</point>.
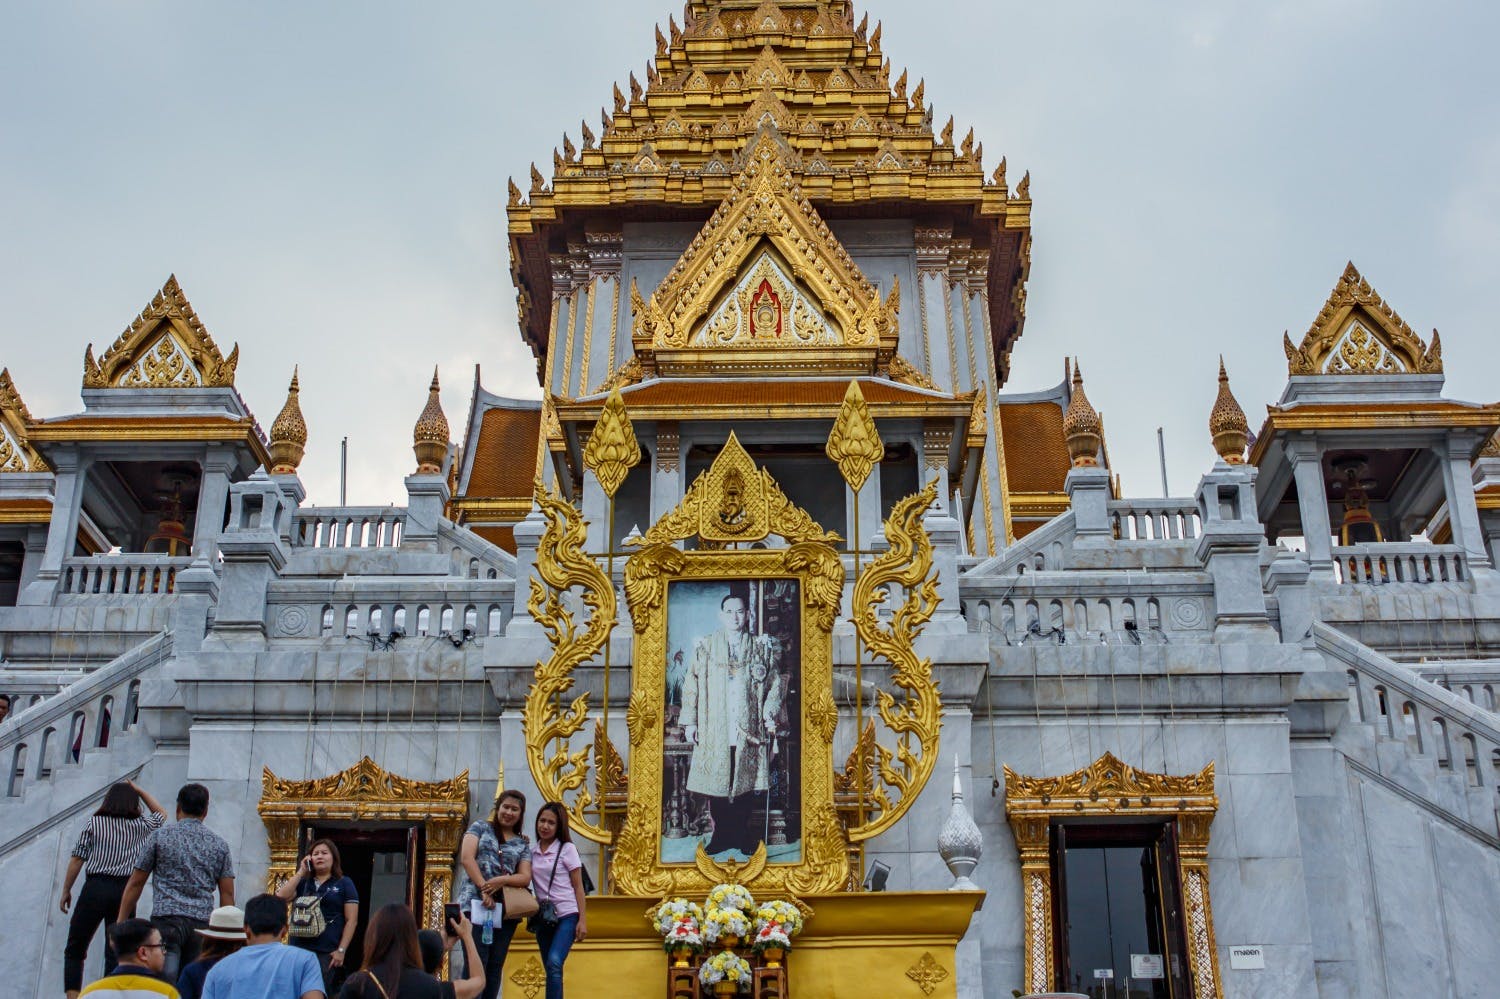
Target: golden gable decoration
<point>16,452</point>
<point>767,223</point>
<point>1357,333</point>
<point>166,346</point>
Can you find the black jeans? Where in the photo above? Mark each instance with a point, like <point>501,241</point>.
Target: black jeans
<point>492,955</point>
<point>180,945</point>
<point>98,902</point>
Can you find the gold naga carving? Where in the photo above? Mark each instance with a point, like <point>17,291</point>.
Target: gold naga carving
<point>166,346</point>
<point>16,452</point>
<point>1357,333</point>
<point>367,792</point>
<point>561,773</point>
<point>626,374</point>
<point>612,449</point>
<point>767,224</point>
<point>1109,787</point>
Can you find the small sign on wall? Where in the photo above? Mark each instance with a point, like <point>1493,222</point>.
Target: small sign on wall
<point>1146,966</point>
<point>1247,958</point>
<point>1104,974</point>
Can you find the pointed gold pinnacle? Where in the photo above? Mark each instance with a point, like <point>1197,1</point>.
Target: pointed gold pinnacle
<point>854,443</point>
<point>612,450</point>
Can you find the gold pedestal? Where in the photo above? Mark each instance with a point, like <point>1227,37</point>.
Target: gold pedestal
<point>892,943</point>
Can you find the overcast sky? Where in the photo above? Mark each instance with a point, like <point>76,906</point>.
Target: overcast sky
<point>328,183</point>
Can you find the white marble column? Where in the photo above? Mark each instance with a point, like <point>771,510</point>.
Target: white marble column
<point>1463,509</point>
<point>213,491</point>
<point>1312,502</point>
<point>72,471</point>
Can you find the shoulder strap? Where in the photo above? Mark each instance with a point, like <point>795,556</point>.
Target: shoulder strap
<point>551,877</point>
<point>370,976</point>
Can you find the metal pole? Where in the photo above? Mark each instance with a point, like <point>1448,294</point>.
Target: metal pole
<point>600,760</point>
<point>344,472</point>
<point>1161,449</point>
<point>859,706</point>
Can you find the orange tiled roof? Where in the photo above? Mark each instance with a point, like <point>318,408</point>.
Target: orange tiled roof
<point>502,537</point>
<point>505,454</point>
<point>1036,455</point>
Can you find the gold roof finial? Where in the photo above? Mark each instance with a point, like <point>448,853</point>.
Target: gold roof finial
<point>429,438</point>
<point>288,433</point>
<point>1081,425</point>
<point>1227,424</point>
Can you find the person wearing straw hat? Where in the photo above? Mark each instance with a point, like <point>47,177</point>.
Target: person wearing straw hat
<point>224,935</point>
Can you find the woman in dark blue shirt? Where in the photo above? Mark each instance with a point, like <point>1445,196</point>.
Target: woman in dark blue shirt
<point>320,877</point>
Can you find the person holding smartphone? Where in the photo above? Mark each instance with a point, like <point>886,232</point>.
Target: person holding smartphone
<point>494,854</point>
<point>320,887</point>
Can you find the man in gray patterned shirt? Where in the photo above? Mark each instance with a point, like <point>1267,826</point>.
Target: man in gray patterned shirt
<point>185,860</point>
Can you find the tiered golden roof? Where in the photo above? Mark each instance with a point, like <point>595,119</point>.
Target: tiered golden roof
<point>804,69</point>
<point>1357,333</point>
<point>1082,428</point>
<point>166,346</point>
<point>1227,424</point>
<point>429,438</point>
<point>288,433</point>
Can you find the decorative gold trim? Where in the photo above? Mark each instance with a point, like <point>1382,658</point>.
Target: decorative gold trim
<point>612,450</point>
<point>367,793</point>
<point>904,372</point>
<point>927,973</point>
<point>1357,333</point>
<point>854,443</point>
<point>1108,787</point>
<point>166,346</point>
<point>591,290</point>
<point>16,452</point>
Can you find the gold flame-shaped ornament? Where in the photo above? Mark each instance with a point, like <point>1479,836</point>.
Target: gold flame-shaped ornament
<point>854,444</point>
<point>612,450</point>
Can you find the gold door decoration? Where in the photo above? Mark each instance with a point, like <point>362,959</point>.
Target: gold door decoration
<point>367,793</point>
<point>1109,788</point>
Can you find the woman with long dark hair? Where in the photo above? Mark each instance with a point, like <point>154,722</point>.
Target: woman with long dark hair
<point>393,961</point>
<point>494,854</point>
<point>106,852</point>
<point>557,876</point>
<point>320,883</point>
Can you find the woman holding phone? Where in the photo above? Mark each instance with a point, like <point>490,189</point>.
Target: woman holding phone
<point>320,885</point>
<point>557,874</point>
<point>494,854</point>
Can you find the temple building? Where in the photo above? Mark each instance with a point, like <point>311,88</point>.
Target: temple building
<point>1010,731</point>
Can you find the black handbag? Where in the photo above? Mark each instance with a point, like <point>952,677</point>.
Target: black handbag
<point>546,913</point>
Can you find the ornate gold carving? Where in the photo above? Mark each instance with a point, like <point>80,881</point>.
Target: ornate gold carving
<point>16,452</point>
<point>903,371</point>
<point>429,438</point>
<point>854,443</point>
<point>612,450</point>
<point>626,374</point>
<point>765,207</point>
<point>1357,333</point>
<point>1109,787</point>
<point>166,346</point>
<point>366,792</point>
<point>1227,424</point>
<point>288,433</point>
<point>563,566</point>
<point>918,718</point>
<point>927,973</point>
<point>530,978</point>
<point>1491,447</point>
<point>668,445</point>
<point>1081,425</point>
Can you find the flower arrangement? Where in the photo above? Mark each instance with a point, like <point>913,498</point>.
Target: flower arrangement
<point>731,897</point>
<point>677,910</point>
<point>685,934</point>
<point>725,966</point>
<point>724,922</point>
<point>778,911</point>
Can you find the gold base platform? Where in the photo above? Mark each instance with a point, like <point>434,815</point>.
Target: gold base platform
<point>897,944</point>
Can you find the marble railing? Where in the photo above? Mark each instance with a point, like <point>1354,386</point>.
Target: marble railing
<point>1107,610</point>
<point>1041,550</point>
<point>1399,562</point>
<point>375,609</point>
<point>348,527</point>
<point>81,718</point>
<point>124,574</point>
<point>1154,520</point>
<point>475,557</point>
<point>1436,723</point>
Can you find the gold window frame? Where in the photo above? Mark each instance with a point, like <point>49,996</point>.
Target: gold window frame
<point>1110,788</point>
<point>366,792</point>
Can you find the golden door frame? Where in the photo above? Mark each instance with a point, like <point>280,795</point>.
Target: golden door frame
<point>367,793</point>
<point>1109,787</point>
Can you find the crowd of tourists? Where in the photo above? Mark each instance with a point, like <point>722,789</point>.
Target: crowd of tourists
<point>293,943</point>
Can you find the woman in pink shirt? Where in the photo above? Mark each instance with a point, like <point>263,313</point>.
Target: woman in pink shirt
<point>557,877</point>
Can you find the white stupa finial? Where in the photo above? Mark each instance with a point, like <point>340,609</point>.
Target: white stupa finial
<point>960,844</point>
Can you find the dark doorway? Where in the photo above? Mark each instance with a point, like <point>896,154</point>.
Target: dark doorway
<point>1119,911</point>
<point>12,554</point>
<point>385,863</point>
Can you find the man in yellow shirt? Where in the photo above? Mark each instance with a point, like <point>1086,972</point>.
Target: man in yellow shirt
<point>140,950</point>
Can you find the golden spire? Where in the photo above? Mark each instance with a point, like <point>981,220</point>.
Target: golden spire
<point>1081,426</point>
<point>288,434</point>
<point>429,438</point>
<point>612,450</point>
<point>854,443</point>
<point>1227,424</point>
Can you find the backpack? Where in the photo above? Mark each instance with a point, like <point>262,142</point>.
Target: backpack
<point>306,917</point>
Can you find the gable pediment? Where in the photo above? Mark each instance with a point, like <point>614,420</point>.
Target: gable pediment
<point>16,452</point>
<point>1357,333</point>
<point>766,271</point>
<point>166,346</point>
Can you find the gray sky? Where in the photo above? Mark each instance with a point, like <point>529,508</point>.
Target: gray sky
<point>328,183</point>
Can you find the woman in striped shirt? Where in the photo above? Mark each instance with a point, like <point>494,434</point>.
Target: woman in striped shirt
<point>107,850</point>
